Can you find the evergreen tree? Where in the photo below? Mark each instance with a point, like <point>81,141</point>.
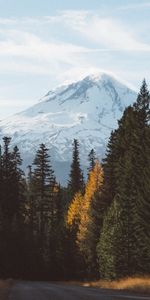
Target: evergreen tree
<point>76,182</point>
<point>107,252</point>
<point>142,169</point>
<point>7,172</point>
<point>131,192</point>
<point>124,250</point>
<point>75,188</point>
<point>142,104</point>
<point>58,237</point>
<point>42,190</point>
<point>18,180</point>
<point>11,203</point>
<point>92,160</point>
<point>109,163</point>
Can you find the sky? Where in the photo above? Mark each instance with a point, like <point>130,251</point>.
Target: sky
<point>44,43</point>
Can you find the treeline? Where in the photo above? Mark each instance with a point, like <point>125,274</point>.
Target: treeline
<point>98,228</point>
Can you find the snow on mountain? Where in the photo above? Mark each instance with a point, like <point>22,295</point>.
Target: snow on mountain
<point>87,110</point>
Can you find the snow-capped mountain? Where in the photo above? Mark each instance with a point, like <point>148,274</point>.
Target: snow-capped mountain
<point>87,110</point>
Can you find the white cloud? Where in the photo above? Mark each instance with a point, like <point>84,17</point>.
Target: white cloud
<point>10,21</point>
<point>25,52</point>
<point>68,45</point>
<point>20,43</point>
<point>106,32</point>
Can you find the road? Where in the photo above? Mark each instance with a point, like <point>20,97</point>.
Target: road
<point>51,291</point>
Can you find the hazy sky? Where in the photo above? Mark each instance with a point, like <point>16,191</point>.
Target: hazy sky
<point>44,43</point>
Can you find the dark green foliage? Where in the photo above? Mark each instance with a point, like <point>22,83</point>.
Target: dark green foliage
<point>96,214</point>
<point>142,105</point>
<point>42,206</point>
<point>107,251</point>
<point>130,182</point>
<point>45,218</point>
<point>76,182</point>
<point>11,201</point>
<point>92,160</point>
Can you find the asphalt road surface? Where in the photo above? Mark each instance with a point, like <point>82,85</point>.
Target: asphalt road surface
<point>51,291</point>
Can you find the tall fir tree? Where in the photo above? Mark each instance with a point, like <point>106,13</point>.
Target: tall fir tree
<point>42,190</point>
<point>124,249</point>
<point>107,252</point>
<point>11,202</point>
<point>75,188</point>
<point>142,104</point>
<point>131,181</point>
<point>76,181</point>
<point>92,160</point>
<point>142,165</point>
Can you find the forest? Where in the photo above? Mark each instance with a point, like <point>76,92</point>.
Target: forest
<point>93,228</point>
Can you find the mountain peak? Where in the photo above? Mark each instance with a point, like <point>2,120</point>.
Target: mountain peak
<point>87,110</point>
<point>106,77</point>
<point>80,88</point>
<point>97,76</point>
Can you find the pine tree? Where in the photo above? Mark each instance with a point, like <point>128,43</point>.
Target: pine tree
<point>124,249</point>
<point>12,176</point>
<point>18,180</point>
<point>75,187</point>
<point>7,171</point>
<point>131,191</point>
<point>92,160</point>
<point>76,182</point>
<point>11,203</point>
<point>43,182</point>
<point>107,252</point>
<point>142,104</point>
<point>58,235</point>
<point>109,163</point>
<point>142,166</point>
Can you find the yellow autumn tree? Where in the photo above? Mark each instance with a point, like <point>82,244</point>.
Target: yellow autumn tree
<point>86,238</point>
<point>82,217</point>
<point>73,216</point>
<point>72,220</point>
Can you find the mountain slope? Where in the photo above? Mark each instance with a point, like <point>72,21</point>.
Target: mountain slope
<point>87,110</point>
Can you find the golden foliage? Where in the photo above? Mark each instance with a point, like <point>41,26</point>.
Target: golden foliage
<point>78,216</point>
<point>94,182</point>
<point>73,216</point>
<point>93,185</point>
